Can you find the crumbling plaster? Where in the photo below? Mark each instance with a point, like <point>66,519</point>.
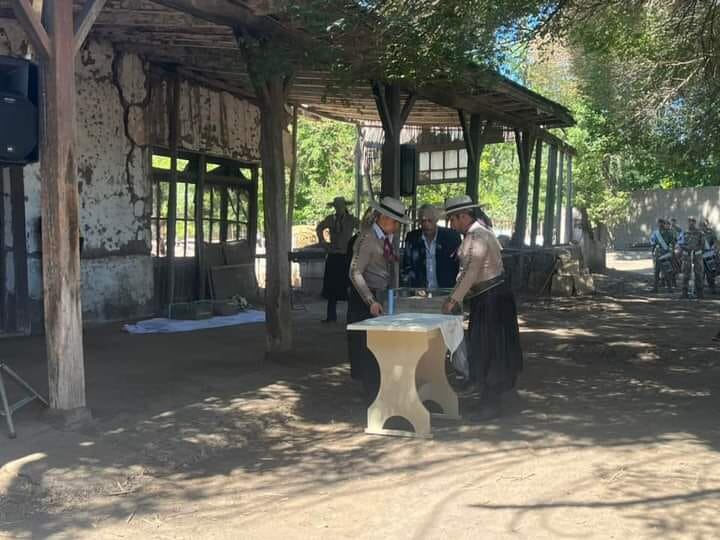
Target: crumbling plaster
<point>121,113</point>
<point>113,181</point>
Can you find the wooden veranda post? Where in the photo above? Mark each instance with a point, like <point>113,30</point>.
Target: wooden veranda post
<point>550,197</point>
<point>173,113</point>
<point>56,43</point>
<point>272,85</point>
<point>474,137</point>
<point>524,142</point>
<point>293,172</point>
<point>393,115</point>
<point>559,201</point>
<point>536,194</point>
<point>569,204</point>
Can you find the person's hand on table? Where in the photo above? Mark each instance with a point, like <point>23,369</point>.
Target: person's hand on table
<point>376,309</point>
<point>449,306</point>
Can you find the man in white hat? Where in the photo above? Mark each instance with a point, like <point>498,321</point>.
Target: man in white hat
<point>495,354</point>
<point>340,226</point>
<point>371,271</point>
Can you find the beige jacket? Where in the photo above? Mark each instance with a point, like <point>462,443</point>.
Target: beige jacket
<point>369,269</point>
<point>480,257</point>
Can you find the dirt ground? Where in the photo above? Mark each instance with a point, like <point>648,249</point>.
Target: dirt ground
<point>616,435</point>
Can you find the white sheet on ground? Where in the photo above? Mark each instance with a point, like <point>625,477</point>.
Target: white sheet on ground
<point>169,326</point>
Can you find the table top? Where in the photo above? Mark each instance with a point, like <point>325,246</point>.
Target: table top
<point>409,322</point>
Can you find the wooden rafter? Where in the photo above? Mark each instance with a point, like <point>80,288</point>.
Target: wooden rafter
<point>84,23</point>
<point>30,20</point>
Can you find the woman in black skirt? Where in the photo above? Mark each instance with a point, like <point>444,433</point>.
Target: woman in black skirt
<point>495,354</point>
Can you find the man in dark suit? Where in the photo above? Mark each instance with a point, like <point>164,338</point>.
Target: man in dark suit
<point>429,259</point>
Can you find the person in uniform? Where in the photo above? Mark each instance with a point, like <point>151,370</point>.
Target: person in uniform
<point>691,244</point>
<point>340,226</point>
<point>675,229</point>
<point>429,258</point>
<point>495,354</point>
<point>711,258</point>
<point>662,241</point>
<point>371,274</point>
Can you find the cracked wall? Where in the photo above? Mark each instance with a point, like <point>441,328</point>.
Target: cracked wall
<point>113,182</point>
<point>121,113</point>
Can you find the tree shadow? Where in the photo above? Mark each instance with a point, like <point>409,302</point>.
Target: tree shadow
<point>180,418</point>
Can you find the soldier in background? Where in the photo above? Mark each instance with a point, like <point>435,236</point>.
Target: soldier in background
<point>711,259</point>
<point>691,243</point>
<point>662,241</point>
<point>675,229</point>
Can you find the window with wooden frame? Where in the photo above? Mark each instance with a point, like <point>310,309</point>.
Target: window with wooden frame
<point>229,191</point>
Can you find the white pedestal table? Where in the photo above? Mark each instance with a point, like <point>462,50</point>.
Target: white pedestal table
<point>410,350</point>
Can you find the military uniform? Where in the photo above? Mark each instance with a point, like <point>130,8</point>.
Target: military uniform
<point>692,242</point>
<point>663,244</point>
<point>710,257</point>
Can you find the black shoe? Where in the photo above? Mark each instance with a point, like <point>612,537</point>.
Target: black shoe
<point>717,337</point>
<point>487,412</point>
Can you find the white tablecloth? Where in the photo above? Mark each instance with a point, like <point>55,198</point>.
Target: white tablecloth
<point>450,326</point>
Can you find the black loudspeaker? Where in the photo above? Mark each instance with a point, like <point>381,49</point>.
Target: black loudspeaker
<point>408,168</point>
<point>19,92</point>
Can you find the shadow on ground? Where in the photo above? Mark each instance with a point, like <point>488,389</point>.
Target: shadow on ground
<point>198,424</point>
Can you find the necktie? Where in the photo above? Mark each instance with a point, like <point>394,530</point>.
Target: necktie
<point>388,251</point>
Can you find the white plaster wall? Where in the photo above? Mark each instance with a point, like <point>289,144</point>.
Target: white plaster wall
<point>120,115</point>
<point>113,181</point>
<point>649,205</point>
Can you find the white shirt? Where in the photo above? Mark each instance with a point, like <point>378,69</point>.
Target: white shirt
<point>430,260</point>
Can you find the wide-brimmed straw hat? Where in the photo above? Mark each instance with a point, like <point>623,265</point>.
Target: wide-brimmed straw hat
<point>454,205</point>
<point>339,200</point>
<point>391,208</point>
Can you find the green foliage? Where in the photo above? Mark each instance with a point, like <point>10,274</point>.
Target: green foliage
<point>325,167</point>
<point>415,40</point>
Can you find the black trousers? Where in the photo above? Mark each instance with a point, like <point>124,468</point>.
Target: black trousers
<point>363,365</point>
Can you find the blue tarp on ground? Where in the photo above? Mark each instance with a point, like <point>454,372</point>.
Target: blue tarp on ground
<point>169,326</point>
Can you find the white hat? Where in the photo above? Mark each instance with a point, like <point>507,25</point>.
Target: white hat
<point>457,204</point>
<point>391,208</point>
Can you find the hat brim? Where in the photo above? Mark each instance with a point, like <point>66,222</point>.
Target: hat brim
<point>332,204</point>
<point>456,209</point>
<point>381,210</point>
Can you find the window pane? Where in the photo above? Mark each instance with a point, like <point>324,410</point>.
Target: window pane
<point>191,201</point>
<point>463,173</point>
<point>207,198</point>
<point>180,200</point>
<point>153,236</point>
<point>163,199</point>
<point>244,209</point>
<point>436,175</point>
<point>436,161</point>
<point>163,162</point>
<point>451,159</point>
<point>463,157</point>
<point>217,202</point>
<point>424,161</point>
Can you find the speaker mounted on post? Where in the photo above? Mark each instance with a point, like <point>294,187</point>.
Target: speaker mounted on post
<point>19,127</point>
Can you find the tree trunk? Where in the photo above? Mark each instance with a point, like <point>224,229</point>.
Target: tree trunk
<point>271,81</point>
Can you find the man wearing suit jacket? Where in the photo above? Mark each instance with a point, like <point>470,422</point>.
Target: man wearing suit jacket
<point>429,259</point>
